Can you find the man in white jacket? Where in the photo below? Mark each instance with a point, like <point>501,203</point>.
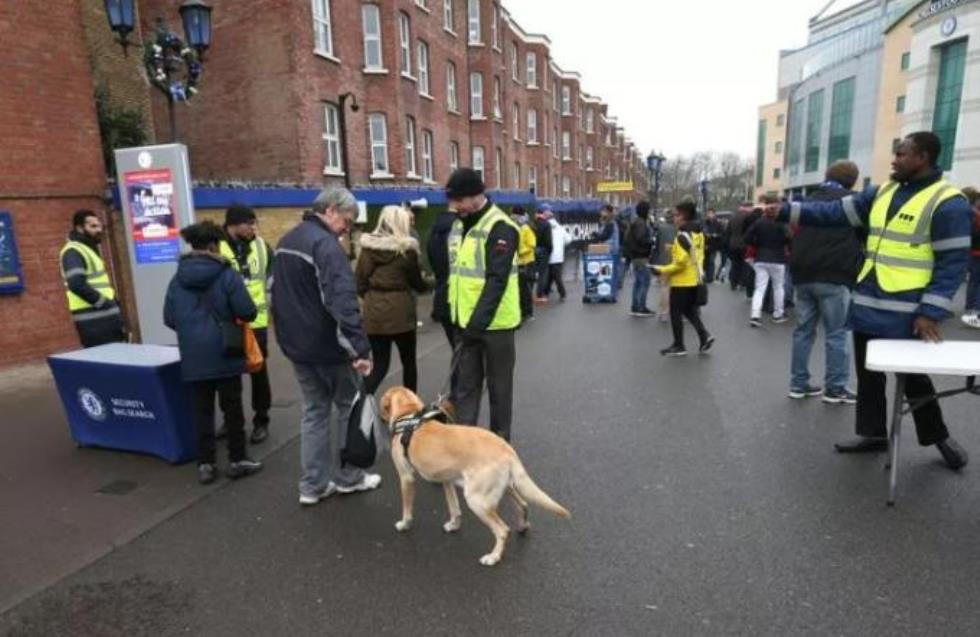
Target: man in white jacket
<point>556,262</point>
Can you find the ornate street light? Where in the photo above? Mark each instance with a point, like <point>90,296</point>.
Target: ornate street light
<point>122,19</point>
<point>655,162</point>
<point>196,16</point>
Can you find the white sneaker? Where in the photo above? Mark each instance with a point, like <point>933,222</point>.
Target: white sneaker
<point>368,482</point>
<point>311,499</point>
<point>971,320</point>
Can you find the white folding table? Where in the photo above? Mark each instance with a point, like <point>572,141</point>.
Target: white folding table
<point>903,357</point>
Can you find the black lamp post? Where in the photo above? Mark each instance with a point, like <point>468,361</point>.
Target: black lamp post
<point>122,19</point>
<point>655,162</point>
<point>342,123</point>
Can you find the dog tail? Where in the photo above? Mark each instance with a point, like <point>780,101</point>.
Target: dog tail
<point>532,493</point>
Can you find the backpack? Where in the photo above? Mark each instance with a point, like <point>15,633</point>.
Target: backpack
<point>366,438</point>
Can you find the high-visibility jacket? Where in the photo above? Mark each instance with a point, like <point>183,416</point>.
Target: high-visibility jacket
<point>95,275</point>
<point>528,242</point>
<point>900,250</point>
<point>255,279</point>
<point>468,272</point>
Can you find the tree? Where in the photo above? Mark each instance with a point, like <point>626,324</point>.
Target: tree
<point>729,176</point>
<point>119,127</point>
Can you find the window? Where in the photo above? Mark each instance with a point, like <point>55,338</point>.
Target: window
<point>779,148</point>
<point>532,178</point>
<point>495,28</point>
<point>379,143</point>
<point>532,70</point>
<point>498,163</point>
<point>906,60</point>
<point>952,63</point>
<point>516,120</point>
<point>780,120</point>
<point>448,16</point>
<point>411,166</point>
<point>428,172</point>
<point>322,35</point>
<point>900,104</point>
<point>554,141</point>
<point>566,145</point>
<point>547,129</point>
<point>776,173</point>
<point>476,95</point>
<point>331,139</point>
<point>589,121</point>
<point>516,183</point>
<point>473,21</point>
<point>452,100</point>
<point>497,111</point>
<point>566,186</point>
<point>453,156</point>
<point>405,38</point>
<point>841,110</point>
<point>371,18</point>
<point>566,100</point>
<point>478,161</point>
<point>814,119</point>
<point>514,71</point>
<point>423,3</point>
<point>554,95</point>
<point>532,126</point>
<point>760,154</point>
<point>424,86</point>
<point>588,158</point>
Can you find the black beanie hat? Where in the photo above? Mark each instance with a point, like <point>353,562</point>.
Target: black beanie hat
<point>464,182</point>
<point>239,214</point>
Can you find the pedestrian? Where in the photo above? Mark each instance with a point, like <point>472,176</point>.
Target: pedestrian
<point>484,300</point>
<point>684,272</point>
<point>971,316</point>
<point>769,240</point>
<point>205,298</point>
<point>389,279</point>
<point>906,284</point>
<point>542,252</point>
<point>560,239</point>
<point>250,256</point>
<point>665,234</point>
<point>638,247</point>
<point>91,298</point>
<point>824,263</point>
<point>714,236</point>
<point>723,250</point>
<point>319,329</point>
<point>525,261</point>
<point>740,275</point>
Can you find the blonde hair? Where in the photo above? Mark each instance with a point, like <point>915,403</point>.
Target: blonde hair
<point>395,224</point>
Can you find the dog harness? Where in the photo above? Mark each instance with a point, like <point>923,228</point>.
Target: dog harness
<point>406,425</point>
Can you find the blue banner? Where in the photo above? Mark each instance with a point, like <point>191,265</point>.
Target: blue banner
<point>11,274</point>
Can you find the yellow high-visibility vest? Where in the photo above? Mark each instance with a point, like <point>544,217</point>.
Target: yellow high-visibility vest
<point>900,251</point>
<point>95,275</point>
<point>258,267</point>
<point>468,273</point>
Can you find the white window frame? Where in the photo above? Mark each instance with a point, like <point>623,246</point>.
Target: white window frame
<point>478,155</point>
<point>448,16</point>
<point>473,34</point>
<point>532,178</point>
<point>589,157</point>
<point>532,126</point>
<point>498,161</point>
<point>516,176</point>
<point>531,72</point>
<point>379,145</point>
<point>515,70</point>
<point>566,145</point>
<point>566,186</point>
<point>322,28</point>
<point>453,156</point>
<point>498,112</point>
<point>495,28</point>
<point>515,118</point>
<point>428,169</point>
<point>425,86</point>
<point>334,163</point>
<point>452,97</point>
<point>589,121</point>
<point>476,95</point>
<point>423,4</point>
<point>566,100</point>
<point>371,39</point>
<point>405,44</point>
<point>411,159</point>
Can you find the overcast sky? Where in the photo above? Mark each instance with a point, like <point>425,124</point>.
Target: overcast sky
<point>681,76</point>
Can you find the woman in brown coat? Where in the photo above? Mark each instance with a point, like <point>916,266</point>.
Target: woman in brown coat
<point>388,280</point>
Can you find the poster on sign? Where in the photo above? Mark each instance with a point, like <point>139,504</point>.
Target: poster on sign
<point>11,274</point>
<point>151,204</point>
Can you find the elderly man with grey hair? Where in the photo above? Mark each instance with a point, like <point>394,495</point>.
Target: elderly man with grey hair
<point>318,326</point>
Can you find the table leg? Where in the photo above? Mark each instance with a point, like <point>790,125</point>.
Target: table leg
<point>893,438</point>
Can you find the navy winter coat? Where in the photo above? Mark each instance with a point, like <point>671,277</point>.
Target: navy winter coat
<point>205,289</point>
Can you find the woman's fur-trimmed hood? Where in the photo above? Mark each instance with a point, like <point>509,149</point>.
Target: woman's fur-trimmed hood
<point>389,243</point>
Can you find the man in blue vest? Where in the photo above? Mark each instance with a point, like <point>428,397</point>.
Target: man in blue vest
<point>917,249</point>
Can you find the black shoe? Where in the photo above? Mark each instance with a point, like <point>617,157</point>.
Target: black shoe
<point>754,322</point>
<point>221,433</point>
<point>673,350</point>
<point>206,473</point>
<point>259,434</point>
<point>242,468</point>
<point>954,455</point>
<point>862,444</point>
<point>706,345</point>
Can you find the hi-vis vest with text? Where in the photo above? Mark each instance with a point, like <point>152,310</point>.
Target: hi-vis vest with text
<point>95,275</point>
<point>468,272</point>
<point>900,251</point>
<point>258,266</point>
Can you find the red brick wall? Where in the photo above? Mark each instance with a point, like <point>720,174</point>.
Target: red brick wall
<point>50,164</point>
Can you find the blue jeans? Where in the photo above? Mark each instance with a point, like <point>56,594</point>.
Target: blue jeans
<point>641,285</point>
<point>973,286</point>
<point>324,386</point>
<point>826,302</point>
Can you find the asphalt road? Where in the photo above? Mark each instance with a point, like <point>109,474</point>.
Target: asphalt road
<point>703,502</point>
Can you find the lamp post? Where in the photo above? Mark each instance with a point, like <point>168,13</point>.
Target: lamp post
<point>342,123</point>
<point>655,162</point>
<point>165,56</point>
<point>703,190</point>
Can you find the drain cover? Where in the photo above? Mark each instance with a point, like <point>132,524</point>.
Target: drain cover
<point>119,487</point>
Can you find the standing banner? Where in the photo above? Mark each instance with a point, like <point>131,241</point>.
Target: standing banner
<point>11,274</point>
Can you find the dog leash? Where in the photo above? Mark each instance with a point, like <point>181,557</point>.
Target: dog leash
<point>447,386</point>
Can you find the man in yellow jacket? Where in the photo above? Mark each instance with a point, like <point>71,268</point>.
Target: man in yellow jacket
<point>685,276</point>
<point>525,261</point>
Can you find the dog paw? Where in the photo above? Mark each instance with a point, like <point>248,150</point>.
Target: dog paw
<point>522,529</point>
<point>452,526</point>
<point>489,559</point>
<point>403,525</point>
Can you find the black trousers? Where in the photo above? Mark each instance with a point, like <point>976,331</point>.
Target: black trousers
<point>554,276</point>
<point>737,269</point>
<point>871,417</point>
<point>101,331</point>
<point>381,352</point>
<point>451,336</point>
<point>261,389</point>
<point>525,280</point>
<point>490,357</point>
<point>229,391</point>
<point>683,304</point>
<point>709,264</point>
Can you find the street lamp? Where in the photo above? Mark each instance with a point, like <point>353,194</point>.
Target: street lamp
<point>655,162</point>
<point>703,190</point>
<point>122,19</point>
<point>196,16</point>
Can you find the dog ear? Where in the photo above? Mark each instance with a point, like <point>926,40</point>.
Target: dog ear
<point>386,406</point>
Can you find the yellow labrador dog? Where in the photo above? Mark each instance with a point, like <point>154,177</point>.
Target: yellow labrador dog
<point>479,461</point>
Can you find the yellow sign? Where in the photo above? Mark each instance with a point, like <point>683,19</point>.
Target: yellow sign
<point>614,186</point>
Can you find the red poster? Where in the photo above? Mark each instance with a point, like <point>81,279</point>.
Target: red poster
<point>150,194</point>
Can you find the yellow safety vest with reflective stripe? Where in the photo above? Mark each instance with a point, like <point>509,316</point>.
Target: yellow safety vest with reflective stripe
<point>900,251</point>
<point>95,275</point>
<point>468,273</point>
<point>258,267</point>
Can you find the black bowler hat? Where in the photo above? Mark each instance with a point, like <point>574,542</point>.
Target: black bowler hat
<point>464,182</point>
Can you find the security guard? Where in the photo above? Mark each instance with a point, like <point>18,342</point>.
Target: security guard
<point>91,297</point>
<point>251,257</point>
<point>917,250</point>
<point>484,300</point>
